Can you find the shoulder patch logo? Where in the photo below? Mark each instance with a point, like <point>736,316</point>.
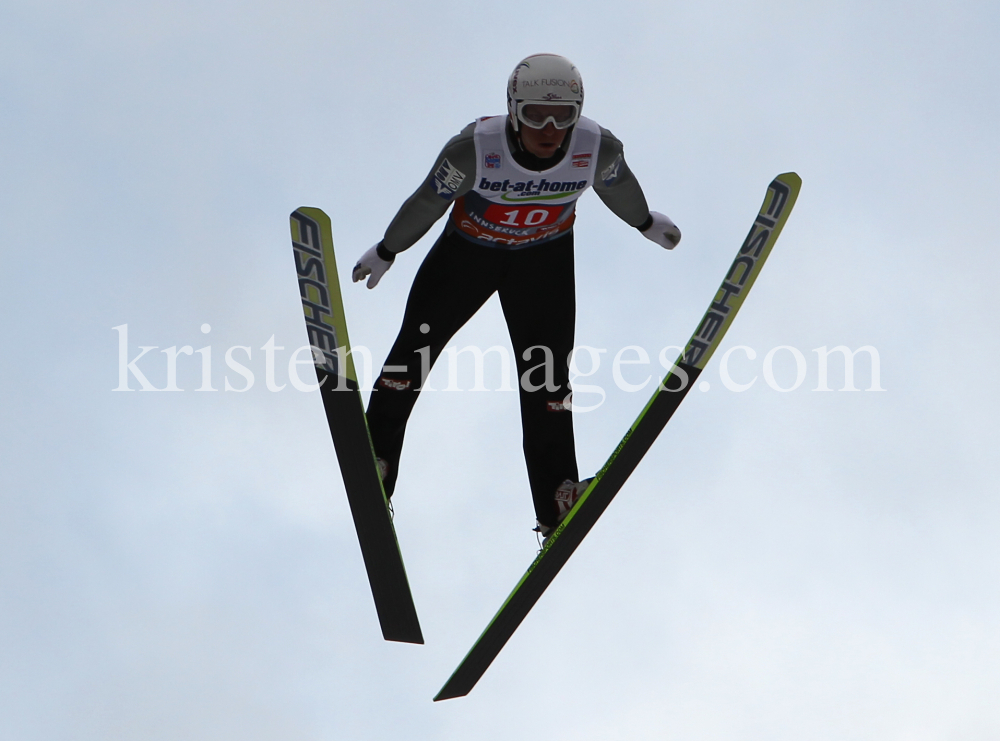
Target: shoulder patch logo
<point>610,173</point>
<point>492,161</point>
<point>447,179</point>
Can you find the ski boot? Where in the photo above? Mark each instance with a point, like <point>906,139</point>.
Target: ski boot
<point>567,495</point>
<point>383,470</point>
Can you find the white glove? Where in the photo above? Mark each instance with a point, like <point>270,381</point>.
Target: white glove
<point>662,231</point>
<point>371,263</point>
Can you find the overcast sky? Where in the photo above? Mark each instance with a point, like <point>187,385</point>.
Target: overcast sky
<point>782,565</point>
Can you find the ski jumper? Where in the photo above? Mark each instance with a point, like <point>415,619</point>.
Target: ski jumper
<point>510,232</point>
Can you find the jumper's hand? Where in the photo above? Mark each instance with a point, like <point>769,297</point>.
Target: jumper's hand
<point>372,263</point>
<point>662,231</point>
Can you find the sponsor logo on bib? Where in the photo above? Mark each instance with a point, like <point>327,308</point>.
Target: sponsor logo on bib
<point>531,189</point>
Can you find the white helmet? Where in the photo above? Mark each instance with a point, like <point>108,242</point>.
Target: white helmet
<point>543,89</point>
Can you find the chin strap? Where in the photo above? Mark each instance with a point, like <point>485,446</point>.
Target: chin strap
<point>514,137</point>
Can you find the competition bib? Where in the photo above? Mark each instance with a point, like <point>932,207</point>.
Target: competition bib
<point>511,206</point>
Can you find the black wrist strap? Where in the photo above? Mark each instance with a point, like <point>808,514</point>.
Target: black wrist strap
<point>383,253</point>
<point>646,224</point>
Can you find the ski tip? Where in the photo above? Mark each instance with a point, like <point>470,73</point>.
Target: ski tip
<point>790,178</point>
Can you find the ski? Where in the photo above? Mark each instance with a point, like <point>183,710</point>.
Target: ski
<point>778,202</point>
<point>319,287</point>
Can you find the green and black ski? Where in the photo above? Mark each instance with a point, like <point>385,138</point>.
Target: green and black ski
<point>781,195</point>
<point>319,286</point>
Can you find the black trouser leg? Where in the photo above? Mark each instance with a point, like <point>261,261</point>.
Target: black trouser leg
<point>455,279</point>
<point>539,303</point>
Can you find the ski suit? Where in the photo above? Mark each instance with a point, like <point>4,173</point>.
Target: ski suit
<point>510,232</point>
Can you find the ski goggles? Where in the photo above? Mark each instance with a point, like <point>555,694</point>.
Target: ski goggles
<point>539,115</point>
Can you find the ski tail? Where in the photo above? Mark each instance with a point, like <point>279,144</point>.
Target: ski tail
<point>778,202</point>
<point>323,307</point>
